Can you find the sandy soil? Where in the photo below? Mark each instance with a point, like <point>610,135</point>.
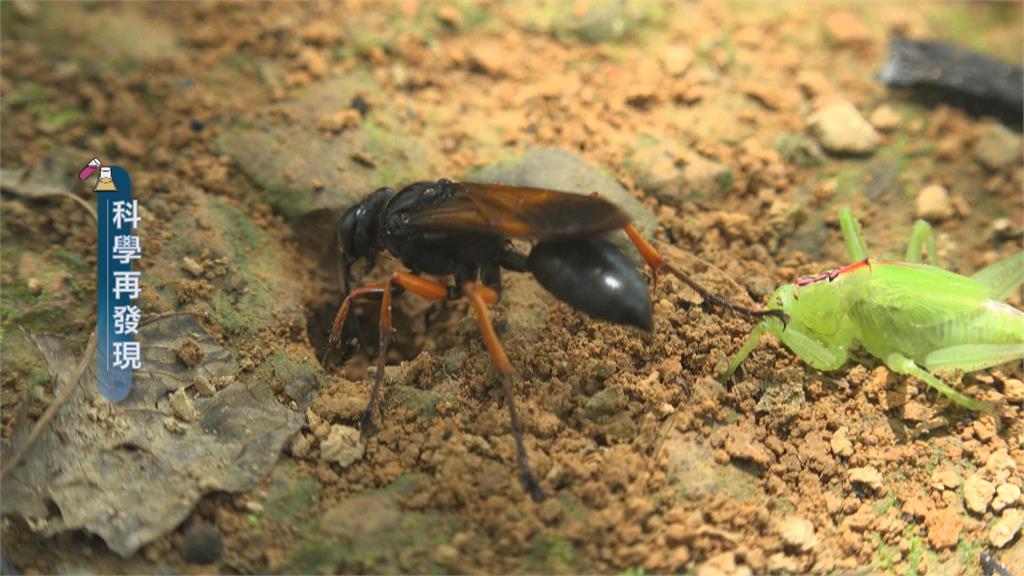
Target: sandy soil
<point>245,129</point>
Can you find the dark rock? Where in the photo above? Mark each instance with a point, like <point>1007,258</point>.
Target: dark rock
<point>941,72</point>
<point>202,544</point>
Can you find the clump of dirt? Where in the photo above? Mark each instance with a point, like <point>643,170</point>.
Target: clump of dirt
<point>246,131</point>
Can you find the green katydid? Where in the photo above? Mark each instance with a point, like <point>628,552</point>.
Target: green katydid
<point>914,317</point>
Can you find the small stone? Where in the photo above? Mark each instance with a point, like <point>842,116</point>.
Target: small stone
<point>1013,390</point>
<point>338,122</point>
<point>1006,495</point>
<point>706,178</point>
<point>868,475</point>
<point>446,554</point>
<point>609,401</point>
<point>654,168</point>
<point>174,425</point>
<point>1000,463</point>
<point>779,563</point>
<point>814,83</point>
<point>998,147</point>
<point>945,478</point>
<point>915,411</point>
<point>884,118</point>
<point>450,15</point>
<point>771,97</point>
<point>978,493</point>
<point>490,56</point>
<point>301,446</point>
<point>944,528</point>
<point>741,444</point>
<point>190,353</point>
<point>846,29</point>
<point>933,204</point>
<point>313,61</point>
<point>254,507</point>
<point>840,442</point>
<point>842,130</point>
<point>191,266</point>
<point>183,406</point>
<point>342,445</point>
<point>799,533</point>
<point>1006,528</point>
<point>202,544</point>
<point>677,58</point>
<point>203,385</point>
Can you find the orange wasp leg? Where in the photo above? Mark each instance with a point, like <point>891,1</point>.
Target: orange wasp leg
<point>480,297</point>
<point>657,264</point>
<point>417,285</point>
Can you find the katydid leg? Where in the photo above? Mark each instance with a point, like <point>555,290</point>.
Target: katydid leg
<point>852,235</point>
<point>749,345</point>
<point>820,355</point>
<point>922,234</point>
<point>972,357</point>
<point>902,365</point>
<point>1003,277</point>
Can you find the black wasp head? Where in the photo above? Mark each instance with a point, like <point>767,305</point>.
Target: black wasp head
<point>358,229</point>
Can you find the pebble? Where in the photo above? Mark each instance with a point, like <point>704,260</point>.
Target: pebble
<point>677,58</point>
<point>741,444</point>
<point>1006,528</point>
<point>489,57</point>
<point>868,475</point>
<point>183,406</point>
<point>978,493</point>
<point>190,353</point>
<point>705,178</point>
<point>1000,464</point>
<point>814,83</point>
<point>446,555</point>
<point>798,532</point>
<point>998,147</point>
<point>945,478</point>
<point>884,118</point>
<point>842,130</point>
<point>301,446</point>
<point>203,385</point>
<point>314,62</point>
<point>840,442</point>
<point>191,266</point>
<point>342,445</point>
<point>846,29</point>
<point>611,400</point>
<point>933,203</point>
<point>450,15</point>
<point>1006,495</point>
<point>944,528</point>
<point>202,544</point>
<point>1013,390</point>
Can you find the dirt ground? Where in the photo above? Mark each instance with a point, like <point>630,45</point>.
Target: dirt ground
<point>246,127</point>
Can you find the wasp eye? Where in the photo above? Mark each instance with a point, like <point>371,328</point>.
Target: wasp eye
<point>347,231</point>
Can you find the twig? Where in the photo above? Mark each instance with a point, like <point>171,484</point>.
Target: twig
<point>54,407</point>
<point>88,207</point>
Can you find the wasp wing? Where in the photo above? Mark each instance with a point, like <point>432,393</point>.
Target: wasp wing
<point>921,296</point>
<point>520,212</point>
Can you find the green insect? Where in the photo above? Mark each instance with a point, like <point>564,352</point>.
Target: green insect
<point>913,317</point>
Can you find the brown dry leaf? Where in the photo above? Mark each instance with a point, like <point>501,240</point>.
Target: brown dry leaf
<point>131,472</point>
